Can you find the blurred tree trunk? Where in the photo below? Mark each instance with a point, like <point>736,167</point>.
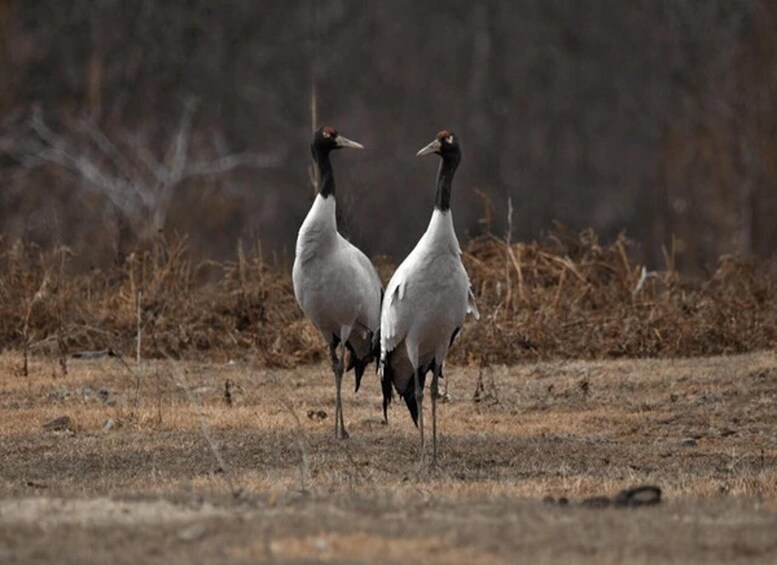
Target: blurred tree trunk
<point>6,23</point>
<point>488,91</point>
<point>94,101</point>
<point>658,211</point>
<point>761,54</point>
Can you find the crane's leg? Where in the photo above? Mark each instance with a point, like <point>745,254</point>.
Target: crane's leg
<point>343,433</point>
<point>419,397</point>
<point>337,369</point>
<point>435,389</point>
<point>443,396</point>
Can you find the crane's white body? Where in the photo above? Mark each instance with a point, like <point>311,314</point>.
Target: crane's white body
<point>335,284</point>
<point>426,302</point>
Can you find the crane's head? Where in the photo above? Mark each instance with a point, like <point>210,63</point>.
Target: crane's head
<point>326,138</point>
<point>445,144</point>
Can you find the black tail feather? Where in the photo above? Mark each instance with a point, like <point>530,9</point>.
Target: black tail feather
<point>388,395</point>
<point>409,395</point>
<point>386,381</point>
<point>412,404</point>
<point>359,365</point>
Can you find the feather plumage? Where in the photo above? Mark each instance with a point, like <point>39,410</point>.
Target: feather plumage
<point>335,284</point>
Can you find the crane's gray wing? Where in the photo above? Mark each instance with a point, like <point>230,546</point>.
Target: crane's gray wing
<point>369,285</point>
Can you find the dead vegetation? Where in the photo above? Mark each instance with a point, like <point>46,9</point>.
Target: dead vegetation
<point>696,427</point>
<point>572,297</point>
<point>89,468</point>
<point>566,297</point>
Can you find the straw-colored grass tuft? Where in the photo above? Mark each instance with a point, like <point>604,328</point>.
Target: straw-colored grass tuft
<point>566,297</point>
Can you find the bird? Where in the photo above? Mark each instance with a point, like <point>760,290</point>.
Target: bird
<point>335,284</point>
<point>426,301</point>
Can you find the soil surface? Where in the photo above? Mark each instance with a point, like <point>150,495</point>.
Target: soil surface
<point>206,462</point>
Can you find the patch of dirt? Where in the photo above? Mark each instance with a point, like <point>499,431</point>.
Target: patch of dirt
<point>340,528</point>
<point>100,511</point>
<point>158,487</point>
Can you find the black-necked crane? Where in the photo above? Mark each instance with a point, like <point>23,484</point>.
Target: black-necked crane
<point>426,301</point>
<point>335,284</point>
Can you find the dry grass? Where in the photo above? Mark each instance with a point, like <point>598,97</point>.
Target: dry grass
<point>702,429</point>
<point>568,297</point>
<point>572,297</point>
<point>562,429</point>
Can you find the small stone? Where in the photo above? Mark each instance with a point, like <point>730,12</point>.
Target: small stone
<point>59,394</point>
<point>321,544</point>
<point>192,533</point>
<point>689,442</point>
<point>60,424</point>
<point>110,423</point>
<point>317,414</point>
<point>639,496</point>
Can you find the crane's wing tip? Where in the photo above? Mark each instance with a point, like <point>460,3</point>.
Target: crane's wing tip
<point>412,404</point>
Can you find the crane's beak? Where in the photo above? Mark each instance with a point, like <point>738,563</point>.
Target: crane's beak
<point>345,142</point>
<point>433,147</point>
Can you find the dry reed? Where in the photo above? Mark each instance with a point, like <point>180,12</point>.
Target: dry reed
<point>566,297</point>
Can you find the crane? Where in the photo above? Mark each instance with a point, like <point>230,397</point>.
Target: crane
<point>426,301</point>
<point>335,284</point>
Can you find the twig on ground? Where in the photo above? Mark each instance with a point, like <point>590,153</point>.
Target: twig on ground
<point>508,256</point>
<point>158,399</point>
<point>39,295</point>
<point>301,445</point>
<point>95,354</point>
<point>204,429</point>
<point>138,307</point>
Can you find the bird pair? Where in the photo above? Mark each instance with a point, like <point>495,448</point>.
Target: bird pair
<point>411,328</point>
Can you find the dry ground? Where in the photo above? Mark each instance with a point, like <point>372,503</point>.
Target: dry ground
<point>147,486</point>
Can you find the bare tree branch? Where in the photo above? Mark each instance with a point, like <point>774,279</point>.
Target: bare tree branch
<point>137,184</point>
<point>230,162</point>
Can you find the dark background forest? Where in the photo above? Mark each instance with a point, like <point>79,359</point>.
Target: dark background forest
<point>120,118</point>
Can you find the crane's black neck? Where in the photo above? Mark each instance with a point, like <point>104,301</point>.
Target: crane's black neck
<point>326,187</point>
<point>448,167</point>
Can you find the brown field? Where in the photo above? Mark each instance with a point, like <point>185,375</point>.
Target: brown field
<point>148,487</point>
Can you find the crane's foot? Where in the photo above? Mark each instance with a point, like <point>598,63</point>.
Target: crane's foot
<point>422,458</point>
<point>429,468</point>
<point>342,434</point>
<point>433,464</point>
